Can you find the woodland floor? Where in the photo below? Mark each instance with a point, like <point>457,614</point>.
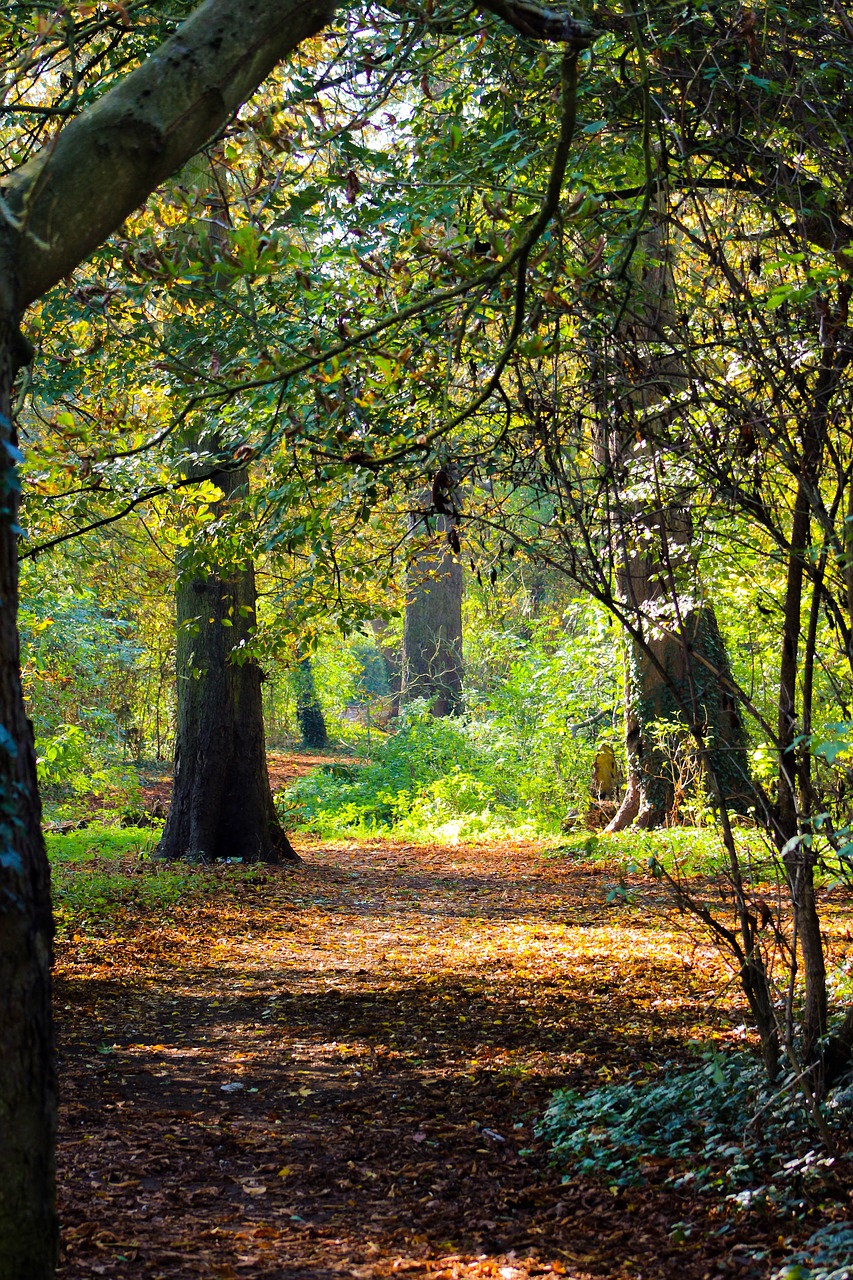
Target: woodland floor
<point>335,1069</point>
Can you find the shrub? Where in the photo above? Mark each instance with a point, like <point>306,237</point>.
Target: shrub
<point>698,1126</point>
<point>434,777</point>
<point>71,765</point>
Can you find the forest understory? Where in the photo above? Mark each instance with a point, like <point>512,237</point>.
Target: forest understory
<point>337,1069</point>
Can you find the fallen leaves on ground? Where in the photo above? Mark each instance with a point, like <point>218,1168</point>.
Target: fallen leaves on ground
<point>336,1069</point>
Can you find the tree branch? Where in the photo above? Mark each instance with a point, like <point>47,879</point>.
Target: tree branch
<point>77,190</point>
<point>541,22</point>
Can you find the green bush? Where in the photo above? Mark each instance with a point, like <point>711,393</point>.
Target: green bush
<point>717,1127</point>
<point>72,765</point>
<point>435,778</point>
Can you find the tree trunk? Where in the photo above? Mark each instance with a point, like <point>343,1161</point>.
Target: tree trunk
<point>800,859</point>
<point>28,1223</point>
<point>222,805</point>
<point>432,630</point>
<point>666,682</point>
<point>309,713</point>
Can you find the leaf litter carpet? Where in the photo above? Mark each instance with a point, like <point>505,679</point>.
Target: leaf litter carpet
<point>335,1070</point>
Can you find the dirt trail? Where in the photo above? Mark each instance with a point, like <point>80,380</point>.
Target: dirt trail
<point>335,1071</point>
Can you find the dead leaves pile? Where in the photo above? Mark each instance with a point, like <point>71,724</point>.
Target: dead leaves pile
<point>336,1070</point>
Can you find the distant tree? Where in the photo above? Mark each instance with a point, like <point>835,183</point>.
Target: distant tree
<point>309,713</point>
<point>222,804</point>
<point>432,631</point>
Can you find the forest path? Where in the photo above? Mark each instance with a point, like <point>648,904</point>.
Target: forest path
<point>335,1070</point>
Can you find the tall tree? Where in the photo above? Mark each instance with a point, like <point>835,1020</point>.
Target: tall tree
<point>56,209</point>
<point>222,805</point>
<point>676,673</point>
<point>432,630</point>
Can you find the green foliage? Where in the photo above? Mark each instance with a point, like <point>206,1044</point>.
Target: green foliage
<point>105,869</point>
<point>72,766</point>
<point>433,778</point>
<point>686,851</point>
<point>61,757</point>
<point>827,1255</point>
<point>81,668</point>
<point>79,660</point>
<point>718,1128</point>
<point>100,841</point>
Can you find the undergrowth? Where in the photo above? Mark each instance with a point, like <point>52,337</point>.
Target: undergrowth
<point>441,779</point>
<point>717,1129</point>
<point>686,851</point>
<point>102,870</point>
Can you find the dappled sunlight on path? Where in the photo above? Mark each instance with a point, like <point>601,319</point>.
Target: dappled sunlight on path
<point>335,1070</point>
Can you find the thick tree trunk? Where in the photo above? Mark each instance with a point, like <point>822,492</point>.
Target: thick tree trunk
<point>222,805</point>
<point>432,630</point>
<point>309,713</point>
<point>28,1223</point>
<point>666,682</point>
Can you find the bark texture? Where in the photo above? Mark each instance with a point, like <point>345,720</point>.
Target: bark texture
<point>678,673</point>
<point>28,1224</point>
<point>668,683</point>
<point>222,805</point>
<point>432,630</point>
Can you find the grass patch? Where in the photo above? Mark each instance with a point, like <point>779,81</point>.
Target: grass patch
<point>101,841</point>
<point>688,851</point>
<point>104,871</point>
